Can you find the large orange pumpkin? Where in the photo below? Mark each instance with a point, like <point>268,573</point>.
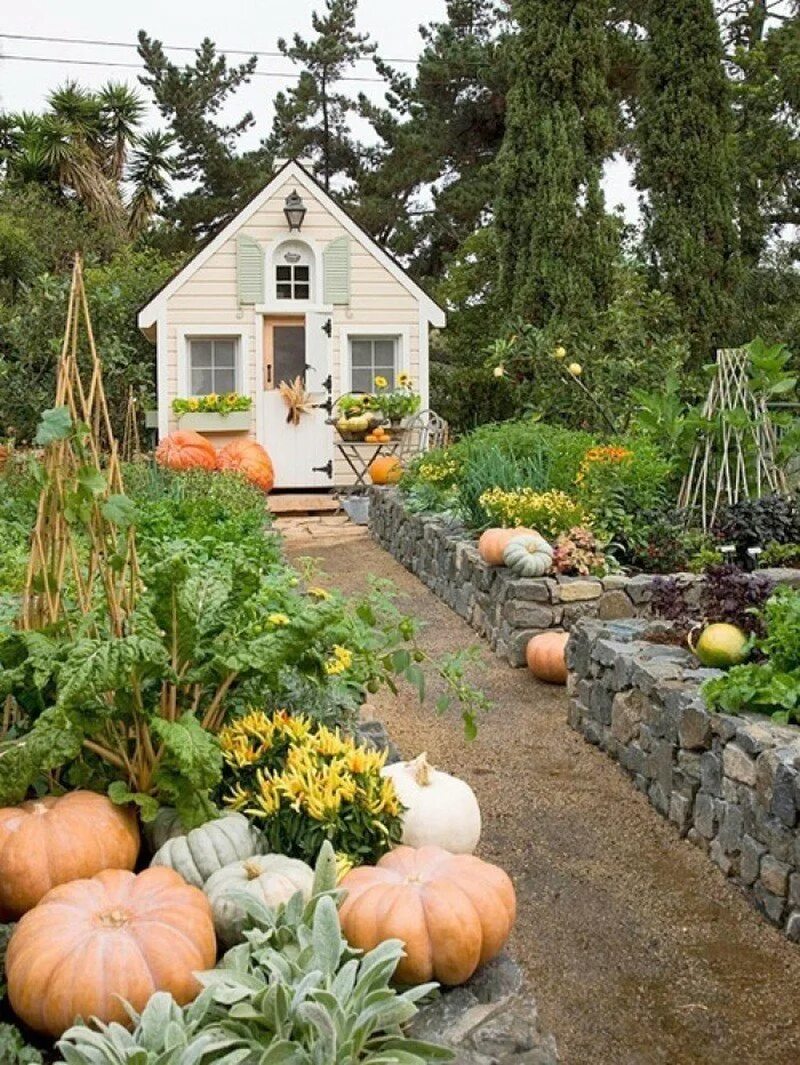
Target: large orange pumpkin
<point>385,469</point>
<point>545,657</point>
<point>453,912</point>
<point>91,943</point>
<point>49,841</point>
<point>251,460</point>
<point>493,543</point>
<point>186,450</point>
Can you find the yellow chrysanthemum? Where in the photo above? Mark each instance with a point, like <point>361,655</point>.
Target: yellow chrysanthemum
<point>340,661</point>
<point>277,619</point>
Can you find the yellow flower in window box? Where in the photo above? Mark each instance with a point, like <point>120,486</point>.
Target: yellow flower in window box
<point>381,382</point>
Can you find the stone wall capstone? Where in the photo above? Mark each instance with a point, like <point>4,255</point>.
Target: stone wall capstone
<point>731,785</point>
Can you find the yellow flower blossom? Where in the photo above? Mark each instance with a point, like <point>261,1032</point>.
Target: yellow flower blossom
<point>381,382</point>
<point>277,619</point>
<point>319,593</point>
<point>339,662</point>
<point>404,380</point>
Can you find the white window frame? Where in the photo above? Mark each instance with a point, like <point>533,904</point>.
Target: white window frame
<point>272,305</point>
<point>213,332</point>
<point>401,334</point>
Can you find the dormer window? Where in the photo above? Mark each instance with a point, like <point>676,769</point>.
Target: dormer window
<point>293,272</point>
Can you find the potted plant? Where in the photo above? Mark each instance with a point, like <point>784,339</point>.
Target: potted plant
<point>397,403</point>
<point>213,413</point>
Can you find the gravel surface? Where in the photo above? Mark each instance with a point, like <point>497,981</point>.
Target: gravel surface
<point>639,952</point>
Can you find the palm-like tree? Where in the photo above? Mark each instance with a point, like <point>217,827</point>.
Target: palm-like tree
<point>87,145</point>
<point>149,172</point>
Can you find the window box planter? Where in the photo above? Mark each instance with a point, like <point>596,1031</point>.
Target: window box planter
<point>237,421</point>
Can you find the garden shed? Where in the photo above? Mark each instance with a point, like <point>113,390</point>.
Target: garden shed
<point>291,287</point>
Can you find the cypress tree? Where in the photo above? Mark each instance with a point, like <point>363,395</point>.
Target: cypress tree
<point>556,242</point>
<point>687,169</point>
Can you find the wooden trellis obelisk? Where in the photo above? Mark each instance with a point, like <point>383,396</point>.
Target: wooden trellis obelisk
<point>736,458</point>
<point>131,441</point>
<point>88,554</point>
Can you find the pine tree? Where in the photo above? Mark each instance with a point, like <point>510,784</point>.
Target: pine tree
<point>312,120</point>
<point>687,169</point>
<point>556,242</point>
<point>191,99</point>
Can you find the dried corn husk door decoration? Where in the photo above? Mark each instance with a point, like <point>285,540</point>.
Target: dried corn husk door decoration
<point>297,399</point>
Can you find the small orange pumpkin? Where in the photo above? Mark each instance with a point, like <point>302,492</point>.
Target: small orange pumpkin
<point>453,912</point>
<point>48,841</point>
<point>250,459</point>
<point>91,943</point>
<point>385,469</point>
<point>493,543</point>
<point>545,657</point>
<point>186,450</point>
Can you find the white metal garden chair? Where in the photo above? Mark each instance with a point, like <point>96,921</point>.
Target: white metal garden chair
<point>424,432</point>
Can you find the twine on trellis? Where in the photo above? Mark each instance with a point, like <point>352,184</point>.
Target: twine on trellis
<point>93,556</point>
<point>735,458</point>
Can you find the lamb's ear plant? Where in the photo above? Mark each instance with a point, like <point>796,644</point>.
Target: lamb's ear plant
<point>163,1034</point>
<point>296,992</point>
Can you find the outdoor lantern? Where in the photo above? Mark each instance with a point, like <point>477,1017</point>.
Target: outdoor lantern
<point>295,210</point>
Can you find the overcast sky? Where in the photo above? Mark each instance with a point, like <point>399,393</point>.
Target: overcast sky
<point>394,24</point>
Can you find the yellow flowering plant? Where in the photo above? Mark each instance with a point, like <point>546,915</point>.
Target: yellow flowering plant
<point>550,513</point>
<point>212,404</point>
<point>303,783</point>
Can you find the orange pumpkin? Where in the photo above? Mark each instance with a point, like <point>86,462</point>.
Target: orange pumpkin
<point>90,943</point>
<point>453,912</point>
<point>385,469</point>
<point>493,543</point>
<point>249,459</point>
<point>186,450</point>
<point>545,657</point>
<point>4,453</point>
<point>49,841</point>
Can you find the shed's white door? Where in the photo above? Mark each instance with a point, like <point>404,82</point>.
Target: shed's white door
<point>297,346</point>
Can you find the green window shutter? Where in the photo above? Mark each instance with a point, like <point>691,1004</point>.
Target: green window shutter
<point>336,271</point>
<point>249,270</point>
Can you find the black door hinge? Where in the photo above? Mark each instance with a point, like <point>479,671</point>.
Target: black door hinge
<point>327,327</point>
<point>327,469</point>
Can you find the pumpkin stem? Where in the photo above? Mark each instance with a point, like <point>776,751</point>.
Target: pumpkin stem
<point>421,769</point>
<point>252,871</point>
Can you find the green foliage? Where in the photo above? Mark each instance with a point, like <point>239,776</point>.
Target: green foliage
<point>15,1050</point>
<point>618,492</point>
<point>31,334</point>
<point>687,167</point>
<point>772,686</point>
<point>212,404</point>
<point>556,242</point>
<point>549,513</point>
<point>490,469</point>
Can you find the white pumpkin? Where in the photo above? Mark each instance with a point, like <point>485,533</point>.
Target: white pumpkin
<point>166,825</point>
<point>210,847</point>
<point>441,810</point>
<point>271,878</point>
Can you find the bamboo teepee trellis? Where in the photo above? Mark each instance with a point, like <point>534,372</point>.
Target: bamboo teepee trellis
<point>131,446</point>
<point>736,457</point>
<point>75,540</point>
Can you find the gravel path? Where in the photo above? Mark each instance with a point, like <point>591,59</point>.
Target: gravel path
<point>638,950</point>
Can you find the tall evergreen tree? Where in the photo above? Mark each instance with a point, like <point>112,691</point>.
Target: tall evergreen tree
<point>312,119</point>
<point>191,99</point>
<point>556,242</point>
<point>687,169</point>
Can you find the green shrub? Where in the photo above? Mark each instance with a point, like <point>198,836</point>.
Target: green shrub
<point>621,481</point>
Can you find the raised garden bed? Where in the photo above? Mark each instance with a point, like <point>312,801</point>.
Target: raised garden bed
<point>731,785</point>
<point>504,609</point>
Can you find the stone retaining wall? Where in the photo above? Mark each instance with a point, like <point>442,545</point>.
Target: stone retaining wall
<point>730,784</point>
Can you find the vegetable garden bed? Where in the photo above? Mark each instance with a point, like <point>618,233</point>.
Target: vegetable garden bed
<point>507,610</point>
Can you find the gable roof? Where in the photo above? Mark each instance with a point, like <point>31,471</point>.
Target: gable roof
<point>292,170</point>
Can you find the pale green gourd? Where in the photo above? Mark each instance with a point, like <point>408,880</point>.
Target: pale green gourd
<point>528,556</point>
<point>271,878</point>
<point>210,847</point>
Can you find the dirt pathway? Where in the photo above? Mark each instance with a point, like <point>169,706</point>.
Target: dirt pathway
<point>638,950</point>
